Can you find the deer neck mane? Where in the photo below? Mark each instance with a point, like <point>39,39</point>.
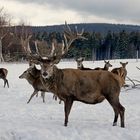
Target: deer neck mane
<point>33,76</point>
<point>31,79</point>
<point>53,82</point>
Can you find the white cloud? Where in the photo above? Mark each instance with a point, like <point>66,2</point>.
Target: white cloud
<point>38,14</point>
<point>46,12</point>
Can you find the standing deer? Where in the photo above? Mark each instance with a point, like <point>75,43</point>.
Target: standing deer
<point>90,87</point>
<point>3,75</point>
<point>32,75</point>
<point>106,66</point>
<point>80,65</point>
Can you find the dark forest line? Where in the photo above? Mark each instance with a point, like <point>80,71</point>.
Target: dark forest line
<point>89,27</point>
<point>104,41</point>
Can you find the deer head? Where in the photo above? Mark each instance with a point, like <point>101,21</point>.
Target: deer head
<point>58,50</point>
<point>79,62</point>
<point>123,64</point>
<point>107,64</point>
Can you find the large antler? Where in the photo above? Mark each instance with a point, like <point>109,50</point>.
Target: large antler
<point>58,50</point>
<point>25,44</point>
<point>69,37</point>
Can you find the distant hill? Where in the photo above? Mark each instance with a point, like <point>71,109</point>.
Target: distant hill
<point>89,27</point>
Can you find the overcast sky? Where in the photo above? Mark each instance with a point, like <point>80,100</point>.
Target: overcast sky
<point>51,12</point>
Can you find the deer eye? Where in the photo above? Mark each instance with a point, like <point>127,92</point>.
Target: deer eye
<point>25,71</point>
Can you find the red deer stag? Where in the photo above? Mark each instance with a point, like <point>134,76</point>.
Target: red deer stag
<point>80,65</point>
<point>3,75</point>
<point>71,85</point>
<point>106,66</point>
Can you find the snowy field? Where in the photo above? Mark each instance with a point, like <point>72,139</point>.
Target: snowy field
<point>44,121</point>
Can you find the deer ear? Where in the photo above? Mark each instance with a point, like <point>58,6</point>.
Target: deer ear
<point>38,67</point>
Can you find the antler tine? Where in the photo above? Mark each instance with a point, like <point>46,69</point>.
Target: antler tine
<point>56,55</point>
<point>28,48</point>
<point>66,41</point>
<point>38,55</point>
<point>33,58</point>
<point>53,49</point>
<point>68,27</point>
<point>80,34</point>
<point>63,47</point>
<point>36,48</point>
<point>76,29</point>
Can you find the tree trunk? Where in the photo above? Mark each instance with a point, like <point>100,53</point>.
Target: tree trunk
<point>137,57</point>
<point>94,54</point>
<point>108,53</point>
<point>1,55</point>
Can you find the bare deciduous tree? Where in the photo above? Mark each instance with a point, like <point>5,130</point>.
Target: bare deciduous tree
<point>4,22</point>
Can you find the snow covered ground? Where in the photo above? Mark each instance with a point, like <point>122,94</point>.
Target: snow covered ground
<point>44,121</point>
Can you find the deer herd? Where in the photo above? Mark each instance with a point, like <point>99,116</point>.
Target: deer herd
<point>90,86</point>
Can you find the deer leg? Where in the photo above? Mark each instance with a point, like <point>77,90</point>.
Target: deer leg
<point>121,111</point>
<point>6,82</point>
<point>118,109</point>
<point>116,112</point>
<point>34,93</point>
<point>43,96</point>
<point>67,107</point>
<point>116,116</point>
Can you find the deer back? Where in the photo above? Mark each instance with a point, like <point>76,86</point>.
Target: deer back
<point>86,86</point>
